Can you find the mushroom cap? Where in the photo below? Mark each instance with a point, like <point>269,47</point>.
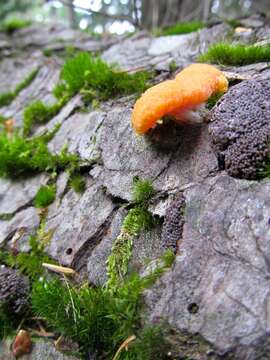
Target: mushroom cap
<point>191,87</point>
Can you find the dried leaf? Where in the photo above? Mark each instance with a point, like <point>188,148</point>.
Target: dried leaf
<point>59,269</point>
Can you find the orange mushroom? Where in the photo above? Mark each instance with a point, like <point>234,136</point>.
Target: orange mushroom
<point>179,97</point>
<point>22,344</point>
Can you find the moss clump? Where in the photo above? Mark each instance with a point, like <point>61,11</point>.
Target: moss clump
<point>91,76</point>
<point>97,319</point>
<point>23,157</point>
<point>150,344</point>
<point>7,326</point>
<point>13,24</point>
<point>233,23</point>
<point>30,263</point>
<point>264,171</point>
<point>137,219</point>
<point>168,259</point>
<point>60,91</point>
<point>47,52</point>
<point>8,97</point>
<point>117,262</point>
<point>77,183</point>
<point>211,102</point>
<point>173,66</point>
<point>98,80</point>
<point>2,120</point>
<point>39,113</point>
<point>237,54</point>
<point>142,191</point>
<point>183,28</point>
<point>45,196</point>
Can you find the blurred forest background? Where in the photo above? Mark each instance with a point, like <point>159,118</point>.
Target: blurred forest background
<point>121,16</point>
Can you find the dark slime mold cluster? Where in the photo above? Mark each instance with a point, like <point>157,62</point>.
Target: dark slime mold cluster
<point>173,223</point>
<point>240,128</point>
<point>14,291</point>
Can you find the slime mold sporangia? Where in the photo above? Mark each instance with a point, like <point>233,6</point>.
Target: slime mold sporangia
<point>179,97</point>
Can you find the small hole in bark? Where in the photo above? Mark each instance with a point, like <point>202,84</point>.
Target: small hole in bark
<point>269,221</point>
<point>135,179</point>
<point>221,161</point>
<point>69,251</point>
<point>193,308</point>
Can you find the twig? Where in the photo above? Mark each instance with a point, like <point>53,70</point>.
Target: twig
<point>124,345</point>
<point>59,269</point>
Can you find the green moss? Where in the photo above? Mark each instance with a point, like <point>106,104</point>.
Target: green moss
<point>89,75</point>
<point>7,326</point>
<point>150,344</point>
<point>264,170</point>
<point>30,263</point>
<point>70,50</point>
<point>235,54</point>
<point>183,28</point>
<point>60,90</point>
<point>13,24</point>
<point>2,119</point>
<point>23,157</point>
<point>168,258</point>
<point>173,66</point>
<point>45,196</point>
<point>6,216</point>
<point>211,102</point>
<point>117,262</point>
<point>161,265</point>
<point>98,80</point>
<point>137,219</point>
<point>97,319</point>
<point>77,183</point>
<point>142,191</point>
<point>47,52</point>
<point>233,23</point>
<point>27,81</point>
<point>65,52</point>
<point>8,97</point>
<point>39,113</point>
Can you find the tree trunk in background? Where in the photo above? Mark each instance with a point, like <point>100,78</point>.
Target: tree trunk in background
<point>261,6</point>
<point>192,10</point>
<point>71,15</point>
<point>207,9</point>
<point>161,13</point>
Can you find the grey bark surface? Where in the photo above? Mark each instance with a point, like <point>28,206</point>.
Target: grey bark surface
<point>216,295</point>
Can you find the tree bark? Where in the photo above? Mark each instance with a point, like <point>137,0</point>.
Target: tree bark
<point>206,9</point>
<point>71,15</point>
<point>160,13</point>
<point>262,6</point>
